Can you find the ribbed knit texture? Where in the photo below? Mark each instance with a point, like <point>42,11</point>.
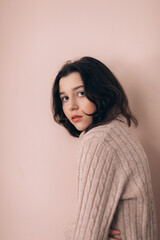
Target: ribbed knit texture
<point>114,186</point>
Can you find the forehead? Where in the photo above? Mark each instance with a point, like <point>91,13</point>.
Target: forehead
<point>69,82</point>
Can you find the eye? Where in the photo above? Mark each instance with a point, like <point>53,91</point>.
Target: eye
<point>80,94</point>
<point>64,99</point>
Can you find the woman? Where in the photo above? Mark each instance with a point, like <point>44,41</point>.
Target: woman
<point>114,183</point>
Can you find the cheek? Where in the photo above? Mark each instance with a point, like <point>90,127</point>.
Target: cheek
<point>89,107</point>
<point>64,110</point>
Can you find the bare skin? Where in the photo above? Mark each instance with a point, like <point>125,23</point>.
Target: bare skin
<point>113,232</point>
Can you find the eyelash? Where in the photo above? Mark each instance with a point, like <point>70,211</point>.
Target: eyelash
<point>81,92</point>
<point>62,99</point>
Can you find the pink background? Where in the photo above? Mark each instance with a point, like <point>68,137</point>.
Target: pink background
<point>37,166</point>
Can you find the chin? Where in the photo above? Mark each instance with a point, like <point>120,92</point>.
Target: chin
<point>81,128</point>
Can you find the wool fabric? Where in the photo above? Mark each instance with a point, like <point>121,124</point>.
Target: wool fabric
<point>114,188</point>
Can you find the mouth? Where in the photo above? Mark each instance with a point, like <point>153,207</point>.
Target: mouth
<point>76,118</point>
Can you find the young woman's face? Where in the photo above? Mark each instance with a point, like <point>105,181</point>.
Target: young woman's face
<point>74,102</point>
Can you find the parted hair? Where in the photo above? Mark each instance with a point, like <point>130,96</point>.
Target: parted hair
<point>100,86</point>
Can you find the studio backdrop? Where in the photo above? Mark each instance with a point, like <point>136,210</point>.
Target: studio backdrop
<point>38,157</point>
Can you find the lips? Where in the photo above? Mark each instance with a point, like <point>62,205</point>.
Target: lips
<point>76,118</point>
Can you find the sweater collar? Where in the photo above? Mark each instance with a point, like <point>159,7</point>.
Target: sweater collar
<point>120,117</point>
<point>81,134</point>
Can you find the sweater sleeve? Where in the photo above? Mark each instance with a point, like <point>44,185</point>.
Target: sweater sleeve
<point>100,185</point>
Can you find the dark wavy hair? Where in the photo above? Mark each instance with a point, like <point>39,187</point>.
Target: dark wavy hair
<point>101,87</point>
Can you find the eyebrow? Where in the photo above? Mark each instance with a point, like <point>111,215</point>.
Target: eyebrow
<point>73,89</point>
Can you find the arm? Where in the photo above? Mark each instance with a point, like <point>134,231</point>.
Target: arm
<point>100,184</point>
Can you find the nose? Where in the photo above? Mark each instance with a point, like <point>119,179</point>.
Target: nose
<point>72,105</point>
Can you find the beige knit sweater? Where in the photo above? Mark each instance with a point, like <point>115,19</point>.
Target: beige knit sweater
<point>114,186</point>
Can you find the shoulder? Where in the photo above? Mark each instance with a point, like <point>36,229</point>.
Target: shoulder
<point>96,147</point>
<point>105,133</point>
<point>115,136</point>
